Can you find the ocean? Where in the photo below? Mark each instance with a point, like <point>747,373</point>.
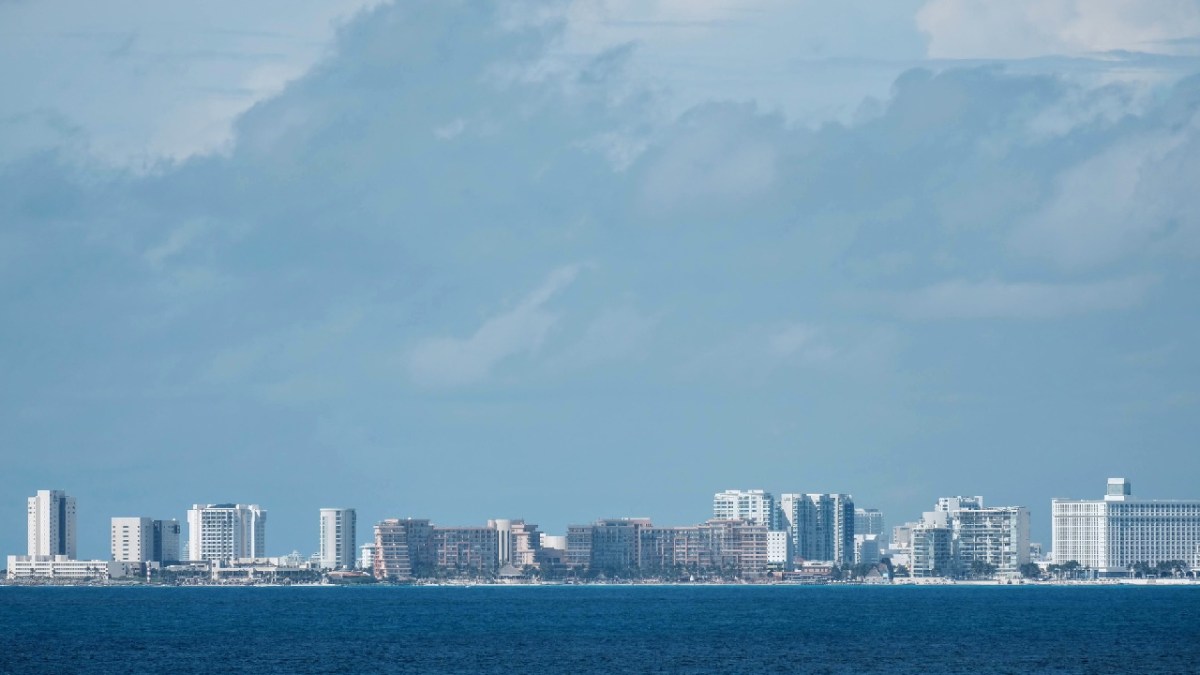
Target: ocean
<point>601,629</point>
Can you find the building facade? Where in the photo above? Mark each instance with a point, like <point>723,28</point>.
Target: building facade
<point>142,539</point>
<point>866,549</point>
<point>165,541</point>
<point>402,549</point>
<point>820,526</point>
<point>962,536</point>
<point>1112,534</point>
<point>868,521</point>
<point>63,568</point>
<point>226,531</point>
<point>339,538</point>
<point>473,551</point>
<point>51,524</point>
<point>623,547</point>
<point>132,539</point>
<point>931,551</point>
<point>614,545</point>
<point>997,537</point>
<point>756,506</point>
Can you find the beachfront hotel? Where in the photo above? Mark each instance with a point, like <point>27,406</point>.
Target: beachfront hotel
<point>226,531</point>
<point>1110,535</point>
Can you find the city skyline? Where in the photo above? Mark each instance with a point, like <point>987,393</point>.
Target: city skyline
<point>751,536</point>
<point>559,259</point>
<point>362,527</point>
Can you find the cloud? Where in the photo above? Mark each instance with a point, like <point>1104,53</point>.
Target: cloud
<point>361,232</point>
<point>452,361</point>
<point>175,243</point>
<point>959,299</point>
<point>1124,199</point>
<point>1030,28</point>
<point>146,82</point>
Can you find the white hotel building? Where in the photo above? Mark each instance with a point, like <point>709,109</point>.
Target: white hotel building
<point>1111,534</point>
<point>226,531</point>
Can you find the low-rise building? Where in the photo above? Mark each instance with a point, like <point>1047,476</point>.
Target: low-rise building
<point>61,567</point>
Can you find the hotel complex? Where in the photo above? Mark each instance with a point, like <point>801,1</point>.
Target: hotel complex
<point>1112,534</point>
<point>226,531</point>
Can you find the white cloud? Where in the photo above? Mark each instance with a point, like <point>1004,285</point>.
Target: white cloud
<point>960,299</point>
<point>1031,28</point>
<point>145,81</point>
<point>1120,201</point>
<point>453,361</point>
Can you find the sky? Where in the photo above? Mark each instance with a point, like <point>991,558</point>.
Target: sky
<point>594,258</point>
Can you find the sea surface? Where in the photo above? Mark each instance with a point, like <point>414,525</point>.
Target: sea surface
<point>601,629</point>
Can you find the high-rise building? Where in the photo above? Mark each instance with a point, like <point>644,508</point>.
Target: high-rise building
<point>614,544</point>
<point>962,536</point>
<point>403,548</point>
<point>141,539</point>
<point>339,538</point>
<point>51,524</point>
<point>756,506</point>
<point>932,550</point>
<point>997,536</point>
<point>227,531</point>
<point>165,541</point>
<point>1112,534</point>
<point>868,521</point>
<point>466,550</point>
<point>820,526</point>
<point>131,539</point>
<point>579,546</point>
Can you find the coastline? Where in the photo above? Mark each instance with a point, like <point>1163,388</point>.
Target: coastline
<point>905,582</point>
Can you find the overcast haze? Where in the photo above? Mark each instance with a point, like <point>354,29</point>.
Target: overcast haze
<point>562,261</point>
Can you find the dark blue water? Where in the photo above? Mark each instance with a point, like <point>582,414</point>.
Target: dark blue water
<point>600,630</point>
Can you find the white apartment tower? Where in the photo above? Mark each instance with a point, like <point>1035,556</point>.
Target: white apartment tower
<point>52,524</point>
<point>1109,535</point>
<point>756,506</point>
<point>226,531</point>
<point>339,538</point>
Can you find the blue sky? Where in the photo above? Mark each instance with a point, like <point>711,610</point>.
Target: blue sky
<point>594,258</point>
